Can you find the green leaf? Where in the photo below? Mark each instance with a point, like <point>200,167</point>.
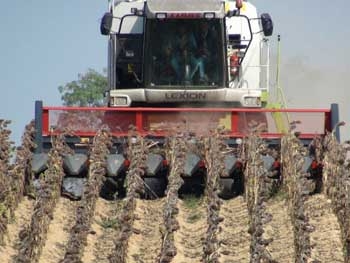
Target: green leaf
<point>88,90</point>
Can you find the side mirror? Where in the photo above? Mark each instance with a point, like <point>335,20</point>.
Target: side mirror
<point>106,24</point>
<point>267,24</point>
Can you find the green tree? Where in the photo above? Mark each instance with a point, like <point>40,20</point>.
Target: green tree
<point>88,90</point>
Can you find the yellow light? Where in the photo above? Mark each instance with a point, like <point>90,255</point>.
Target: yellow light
<point>84,140</point>
<point>244,7</point>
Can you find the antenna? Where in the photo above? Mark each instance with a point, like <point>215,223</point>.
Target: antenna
<point>278,68</point>
<point>280,94</point>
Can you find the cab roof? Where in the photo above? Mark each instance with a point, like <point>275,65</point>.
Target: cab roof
<point>185,6</point>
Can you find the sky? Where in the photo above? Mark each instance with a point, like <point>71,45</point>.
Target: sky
<point>45,44</point>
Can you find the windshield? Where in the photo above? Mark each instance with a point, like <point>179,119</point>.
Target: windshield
<point>184,52</point>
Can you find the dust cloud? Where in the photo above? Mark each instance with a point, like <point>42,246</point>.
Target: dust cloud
<point>308,86</point>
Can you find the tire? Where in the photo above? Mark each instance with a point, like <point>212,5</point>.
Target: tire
<point>113,188</point>
<point>226,188</point>
<point>154,187</point>
<point>193,185</point>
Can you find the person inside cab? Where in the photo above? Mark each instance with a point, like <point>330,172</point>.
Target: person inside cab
<point>207,48</point>
<point>167,74</point>
<point>184,61</point>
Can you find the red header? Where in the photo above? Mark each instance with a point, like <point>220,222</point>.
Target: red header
<point>86,121</point>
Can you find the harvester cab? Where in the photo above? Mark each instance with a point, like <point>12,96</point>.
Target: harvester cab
<point>173,52</point>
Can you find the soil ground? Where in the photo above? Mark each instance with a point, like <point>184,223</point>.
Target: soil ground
<point>146,239</point>
<point>235,238</point>
<point>281,230</point>
<point>326,239</point>
<point>21,219</point>
<point>145,242</point>
<point>58,233</point>
<point>193,227</point>
<point>104,230</point>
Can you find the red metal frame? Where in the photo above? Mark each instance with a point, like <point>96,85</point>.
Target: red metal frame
<point>140,113</point>
<point>148,109</point>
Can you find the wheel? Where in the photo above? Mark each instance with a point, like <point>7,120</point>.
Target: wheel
<point>154,187</point>
<point>226,188</point>
<point>193,185</point>
<point>113,188</point>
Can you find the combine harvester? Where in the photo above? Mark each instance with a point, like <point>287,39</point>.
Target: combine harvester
<point>193,65</point>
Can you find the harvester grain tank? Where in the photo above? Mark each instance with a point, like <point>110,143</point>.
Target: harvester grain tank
<point>196,64</point>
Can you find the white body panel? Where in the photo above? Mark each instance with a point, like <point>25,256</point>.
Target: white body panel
<point>131,25</point>
<point>239,96</point>
<point>250,67</point>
